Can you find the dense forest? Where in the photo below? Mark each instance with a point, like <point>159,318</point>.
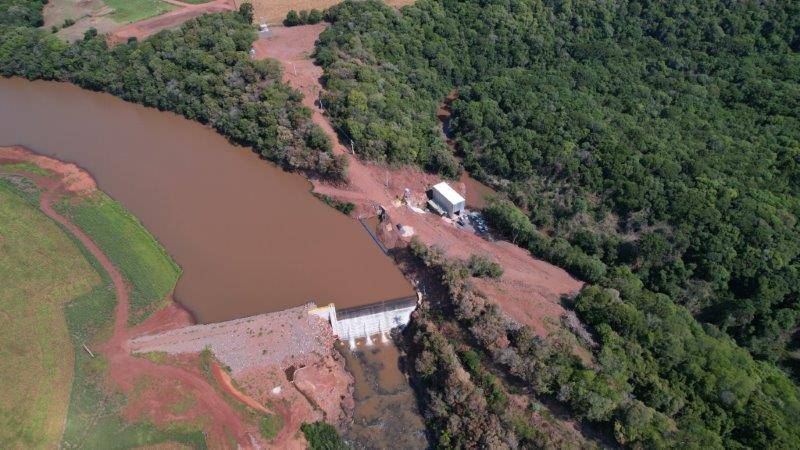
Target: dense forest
<point>201,71</point>
<point>650,148</point>
<point>25,13</point>
<point>658,379</point>
<point>659,136</point>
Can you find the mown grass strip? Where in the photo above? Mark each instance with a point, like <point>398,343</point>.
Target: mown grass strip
<point>143,261</point>
<point>129,11</point>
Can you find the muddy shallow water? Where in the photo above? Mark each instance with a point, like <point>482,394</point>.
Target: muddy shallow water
<point>249,237</point>
<point>386,414</point>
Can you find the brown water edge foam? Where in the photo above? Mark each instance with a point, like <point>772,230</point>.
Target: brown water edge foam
<point>322,390</point>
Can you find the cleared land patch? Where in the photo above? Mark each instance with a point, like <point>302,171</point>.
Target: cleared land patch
<point>58,11</point>
<point>41,269</point>
<point>129,11</point>
<point>73,18</point>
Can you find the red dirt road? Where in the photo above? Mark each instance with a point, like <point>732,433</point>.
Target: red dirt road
<point>226,382</point>
<point>529,290</point>
<point>124,369</point>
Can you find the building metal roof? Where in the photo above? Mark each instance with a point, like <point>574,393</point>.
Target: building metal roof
<point>449,193</point>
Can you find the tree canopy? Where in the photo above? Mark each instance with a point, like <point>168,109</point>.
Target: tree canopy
<point>651,148</point>
<point>661,136</point>
<point>202,71</point>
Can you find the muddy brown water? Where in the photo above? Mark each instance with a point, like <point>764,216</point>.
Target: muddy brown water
<point>386,414</point>
<point>477,192</point>
<point>249,237</point>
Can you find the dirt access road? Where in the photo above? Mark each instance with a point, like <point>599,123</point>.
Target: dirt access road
<point>530,289</point>
<point>284,360</point>
<point>124,369</point>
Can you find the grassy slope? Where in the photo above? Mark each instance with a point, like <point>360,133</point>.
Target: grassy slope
<point>149,270</point>
<point>129,11</point>
<point>40,270</point>
<point>69,302</point>
<point>94,419</point>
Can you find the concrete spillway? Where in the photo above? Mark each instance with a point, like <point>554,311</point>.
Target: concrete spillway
<point>367,321</point>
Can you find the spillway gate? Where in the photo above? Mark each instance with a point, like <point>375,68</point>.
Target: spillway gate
<point>363,322</point>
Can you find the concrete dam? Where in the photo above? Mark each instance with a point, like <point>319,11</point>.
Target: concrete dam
<point>364,322</point>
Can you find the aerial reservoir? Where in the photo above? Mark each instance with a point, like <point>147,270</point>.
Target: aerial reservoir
<point>249,237</point>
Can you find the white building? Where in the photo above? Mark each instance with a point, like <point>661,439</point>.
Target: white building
<point>448,199</point>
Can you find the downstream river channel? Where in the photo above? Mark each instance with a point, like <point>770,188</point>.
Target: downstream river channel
<point>249,236</point>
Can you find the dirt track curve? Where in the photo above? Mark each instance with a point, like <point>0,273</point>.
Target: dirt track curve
<point>124,368</point>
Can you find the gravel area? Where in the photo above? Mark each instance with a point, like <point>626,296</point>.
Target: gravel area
<point>279,339</point>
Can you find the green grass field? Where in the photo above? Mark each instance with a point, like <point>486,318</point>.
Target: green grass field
<point>129,11</point>
<point>94,419</point>
<point>54,298</point>
<point>41,269</point>
<point>147,267</point>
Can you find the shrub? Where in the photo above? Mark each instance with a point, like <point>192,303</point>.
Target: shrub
<point>270,425</point>
<point>483,267</point>
<point>304,17</point>
<point>317,139</point>
<point>345,207</point>
<point>291,19</point>
<point>315,16</point>
<point>246,11</point>
<point>322,436</point>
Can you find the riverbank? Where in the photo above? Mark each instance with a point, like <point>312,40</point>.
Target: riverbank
<point>530,291</point>
<point>177,398</point>
<point>241,229</point>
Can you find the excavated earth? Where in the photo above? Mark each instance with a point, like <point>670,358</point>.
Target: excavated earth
<point>284,362</point>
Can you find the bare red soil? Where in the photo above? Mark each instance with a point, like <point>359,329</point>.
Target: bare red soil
<point>530,289</point>
<point>226,382</point>
<point>148,27</point>
<point>283,362</point>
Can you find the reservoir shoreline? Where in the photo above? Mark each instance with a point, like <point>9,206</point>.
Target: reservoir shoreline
<point>249,236</point>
